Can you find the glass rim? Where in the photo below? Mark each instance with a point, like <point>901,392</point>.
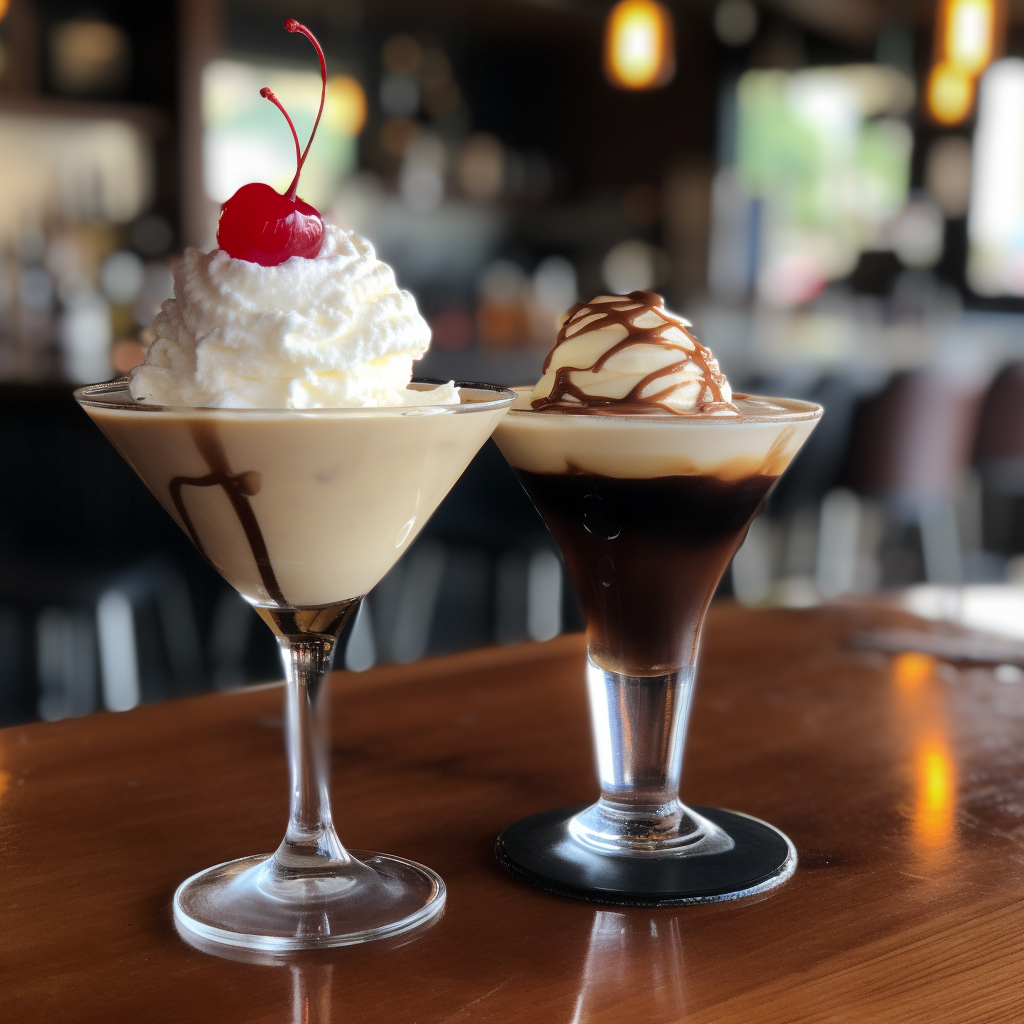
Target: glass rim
<point>111,395</point>
<point>806,411</point>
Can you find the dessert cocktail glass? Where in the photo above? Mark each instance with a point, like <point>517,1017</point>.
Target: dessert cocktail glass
<point>302,511</point>
<point>648,511</point>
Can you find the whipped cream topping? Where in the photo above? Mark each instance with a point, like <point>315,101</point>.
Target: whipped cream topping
<point>331,332</point>
<point>627,353</point>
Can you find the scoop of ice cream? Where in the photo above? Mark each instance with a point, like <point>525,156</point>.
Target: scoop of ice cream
<point>334,331</point>
<point>629,351</point>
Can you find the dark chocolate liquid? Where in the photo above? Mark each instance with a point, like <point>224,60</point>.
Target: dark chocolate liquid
<point>645,556</point>
<point>239,487</point>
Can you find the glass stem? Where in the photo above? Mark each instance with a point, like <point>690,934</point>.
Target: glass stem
<point>310,842</point>
<point>639,725</point>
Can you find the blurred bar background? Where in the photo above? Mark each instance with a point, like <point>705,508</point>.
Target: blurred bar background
<point>832,191</point>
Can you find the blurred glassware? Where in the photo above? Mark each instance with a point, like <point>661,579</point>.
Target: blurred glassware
<point>76,170</point>
<point>628,267</point>
<point>501,316</point>
<point>421,179</point>
<point>441,97</point>
<point>125,355</point>
<point>736,22</point>
<point>947,174</point>
<point>396,133</point>
<point>402,54</point>
<point>552,291</point>
<point>482,167</point>
<point>452,329</point>
<point>399,94</point>
<point>85,334</point>
<point>122,276</point>
<point>89,57</point>
<point>157,285</point>
<point>554,284</point>
<point>152,235</point>
<point>917,233</point>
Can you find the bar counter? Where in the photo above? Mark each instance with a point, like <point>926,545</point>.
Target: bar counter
<point>900,781</point>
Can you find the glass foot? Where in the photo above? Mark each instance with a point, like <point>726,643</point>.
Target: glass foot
<point>546,851</point>
<point>254,903</point>
<point>673,830</point>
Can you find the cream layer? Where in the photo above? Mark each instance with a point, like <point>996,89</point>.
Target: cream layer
<point>338,495</point>
<point>762,439</point>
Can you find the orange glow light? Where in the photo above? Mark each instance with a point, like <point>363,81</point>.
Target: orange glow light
<point>950,94</point>
<point>969,36</point>
<point>936,795</point>
<point>639,45</point>
<point>345,109</point>
<point>910,669</point>
<point>5,6</point>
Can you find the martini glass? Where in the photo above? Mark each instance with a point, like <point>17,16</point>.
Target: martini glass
<point>302,511</point>
<point>648,511</point>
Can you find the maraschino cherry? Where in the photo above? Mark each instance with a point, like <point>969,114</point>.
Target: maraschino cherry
<point>260,225</point>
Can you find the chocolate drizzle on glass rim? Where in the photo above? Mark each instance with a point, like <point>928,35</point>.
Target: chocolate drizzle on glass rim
<point>643,316</point>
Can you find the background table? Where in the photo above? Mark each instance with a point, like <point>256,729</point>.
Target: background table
<point>902,788</point>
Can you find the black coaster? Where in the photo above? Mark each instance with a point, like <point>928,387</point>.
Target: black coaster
<point>540,850</point>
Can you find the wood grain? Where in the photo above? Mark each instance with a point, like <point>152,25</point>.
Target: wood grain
<point>901,783</point>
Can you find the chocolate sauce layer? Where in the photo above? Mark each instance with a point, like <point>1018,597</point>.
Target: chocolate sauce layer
<point>691,384</point>
<point>645,556</point>
<point>239,488</point>
<point>301,510</point>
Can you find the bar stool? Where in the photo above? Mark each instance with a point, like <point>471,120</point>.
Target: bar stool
<point>999,458</point>
<point>911,448</point>
<point>75,638</point>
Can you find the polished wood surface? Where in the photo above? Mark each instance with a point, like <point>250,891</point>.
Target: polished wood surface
<point>900,780</point>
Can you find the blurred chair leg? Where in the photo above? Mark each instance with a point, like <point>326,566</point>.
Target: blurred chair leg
<point>119,662</point>
<point>181,635</point>
<point>839,532</point>
<point>229,637</point>
<point>511,585</point>
<point>18,701</point>
<point>544,595</point>
<point>940,544</point>
<point>53,703</point>
<point>361,650</point>
<point>753,566</point>
<point>65,663</point>
<point>418,599</point>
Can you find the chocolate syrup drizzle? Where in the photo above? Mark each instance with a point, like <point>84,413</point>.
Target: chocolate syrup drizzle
<point>625,310</point>
<point>239,487</point>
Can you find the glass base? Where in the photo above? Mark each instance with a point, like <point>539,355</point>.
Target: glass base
<point>672,830</point>
<point>544,851</point>
<point>254,903</point>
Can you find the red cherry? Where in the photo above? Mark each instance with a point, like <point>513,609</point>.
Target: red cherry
<point>257,223</point>
<point>262,226</point>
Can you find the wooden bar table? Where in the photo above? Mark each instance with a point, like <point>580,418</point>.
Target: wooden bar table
<point>900,780</point>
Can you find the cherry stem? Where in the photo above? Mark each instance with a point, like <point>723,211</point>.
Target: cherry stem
<point>291,25</point>
<point>268,94</point>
